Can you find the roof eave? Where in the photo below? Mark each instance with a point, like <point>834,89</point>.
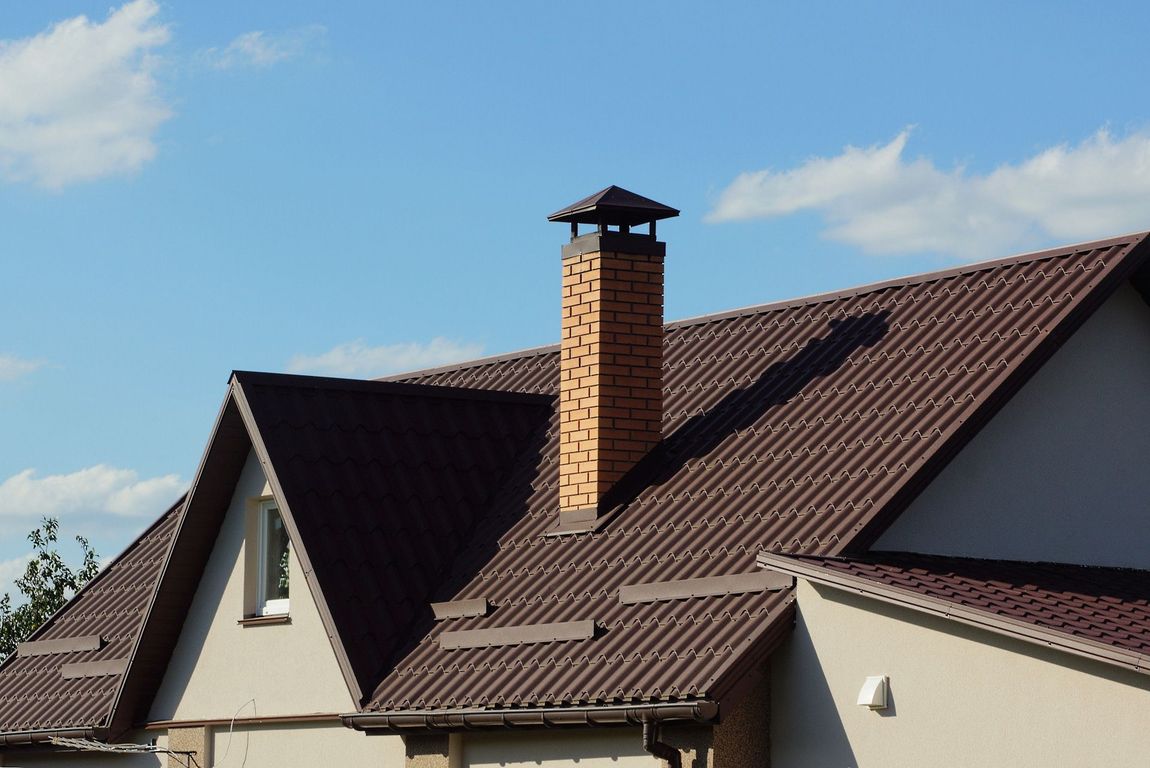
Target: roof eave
<point>45,736</point>
<point>705,711</point>
<point>1000,625</point>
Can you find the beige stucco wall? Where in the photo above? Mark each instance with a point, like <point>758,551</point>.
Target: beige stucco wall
<point>304,745</point>
<point>594,748</point>
<point>961,696</point>
<point>218,666</point>
<point>220,669</point>
<point>1059,474</point>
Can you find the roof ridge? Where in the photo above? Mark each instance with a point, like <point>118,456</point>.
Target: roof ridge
<point>914,279</point>
<point>380,387</point>
<point>520,354</point>
<point>919,278</point>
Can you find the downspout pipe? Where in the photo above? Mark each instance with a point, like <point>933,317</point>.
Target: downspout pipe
<point>658,748</point>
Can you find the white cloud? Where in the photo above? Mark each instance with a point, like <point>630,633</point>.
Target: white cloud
<point>79,101</point>
<point>12,368</point>
<point>96,490</point>
<point>262,49</point>
<point>10,570</point>
<point>878,200</point>
<point>355,358</point>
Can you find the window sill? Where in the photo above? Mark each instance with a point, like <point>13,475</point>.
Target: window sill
<point>259,621</point>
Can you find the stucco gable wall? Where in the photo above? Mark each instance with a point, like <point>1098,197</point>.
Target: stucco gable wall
<point>1060,473</point>
<point>961,696</point>
<point>218,666</point>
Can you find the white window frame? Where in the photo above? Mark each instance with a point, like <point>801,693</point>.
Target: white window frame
<point>267,607</point>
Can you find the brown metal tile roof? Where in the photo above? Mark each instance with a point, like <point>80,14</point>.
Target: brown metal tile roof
<point>800,427</point>
<point>1095,605</point>
<point>34,696</point>
<point>382,484</point>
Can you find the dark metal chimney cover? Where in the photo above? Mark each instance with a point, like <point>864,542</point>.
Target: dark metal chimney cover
<point>614,206</point>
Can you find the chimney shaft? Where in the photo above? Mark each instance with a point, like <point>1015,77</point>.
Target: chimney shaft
<point>611,376</point>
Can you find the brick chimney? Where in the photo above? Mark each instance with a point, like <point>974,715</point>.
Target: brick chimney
<point>611,369</point>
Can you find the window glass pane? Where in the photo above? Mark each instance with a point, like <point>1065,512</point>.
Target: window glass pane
<point>275,557</point>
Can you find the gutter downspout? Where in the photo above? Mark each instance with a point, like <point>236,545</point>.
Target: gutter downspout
<point>660,749</point>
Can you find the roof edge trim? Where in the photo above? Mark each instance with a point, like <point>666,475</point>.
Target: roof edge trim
<point>118,720</point>
<point>428,721</point>
<point>1028,360</point>
<point>317,594</point>
<point>932,606</point>
<point>17,738</point>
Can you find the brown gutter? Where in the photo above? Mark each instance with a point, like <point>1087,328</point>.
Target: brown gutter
<point>21,738</point>
<point>417,721</point>
<point>159,725</point>
<point>1000,625</point>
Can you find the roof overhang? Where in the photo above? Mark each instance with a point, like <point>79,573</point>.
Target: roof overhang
<point>45,736</point>
<point>932,606</point>
<point>703,711</point>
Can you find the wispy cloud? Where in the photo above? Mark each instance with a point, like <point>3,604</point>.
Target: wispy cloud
<point>79,101</point>
<point>356,358</point>
<point>262,49</point>
<point>96,490</point>
<point>880,201</point>
<point>12,368</point>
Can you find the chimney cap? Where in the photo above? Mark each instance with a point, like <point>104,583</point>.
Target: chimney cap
<point>614,205</point>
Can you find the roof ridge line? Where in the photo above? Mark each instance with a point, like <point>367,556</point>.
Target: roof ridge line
<point>913,279</point>
<point>474,363</point>
<point>380,387</point>
<point>815,298</point>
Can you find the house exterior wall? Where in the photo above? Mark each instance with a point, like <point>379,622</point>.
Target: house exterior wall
<point>1059,473</point>
<point>592,748</point>
<point>314,744</point>
<point>220,669</point>
<point>960,696</point>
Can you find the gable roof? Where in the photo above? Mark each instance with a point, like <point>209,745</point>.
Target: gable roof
<point>801,427</point>
<point>380,485</point>
<point>37,701</point>
<point>1097,612</point>
<point>798,427</point>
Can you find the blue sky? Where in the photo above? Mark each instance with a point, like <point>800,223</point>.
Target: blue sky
<point>362,188</point>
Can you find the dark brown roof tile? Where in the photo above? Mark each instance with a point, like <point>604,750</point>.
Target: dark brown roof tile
<point>1110,606</point>
<point>34,695</point>
<point>788,427</point>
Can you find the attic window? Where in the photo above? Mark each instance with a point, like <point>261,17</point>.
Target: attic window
<point>274,551</point>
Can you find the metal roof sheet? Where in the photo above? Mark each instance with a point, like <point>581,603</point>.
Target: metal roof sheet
<point>36,691</point>
<point>1089,604</point>
<point>800,427</point>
